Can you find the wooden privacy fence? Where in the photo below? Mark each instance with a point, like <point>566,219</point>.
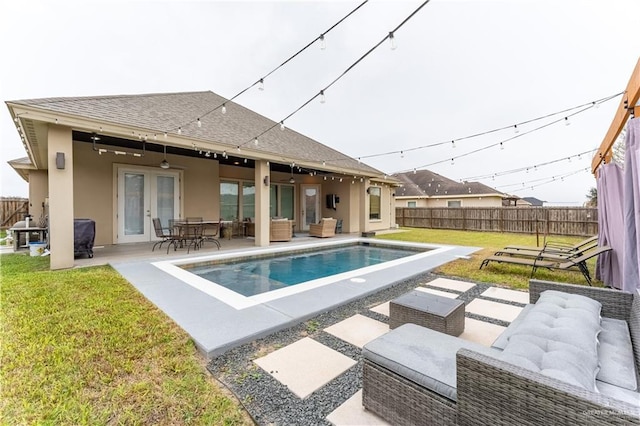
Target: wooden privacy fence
<point>12,210</point>
<point>579,221</point>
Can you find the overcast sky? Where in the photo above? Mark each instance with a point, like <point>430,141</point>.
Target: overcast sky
<point>460,68</point>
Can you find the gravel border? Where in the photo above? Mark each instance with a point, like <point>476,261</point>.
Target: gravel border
<point>271,403</point>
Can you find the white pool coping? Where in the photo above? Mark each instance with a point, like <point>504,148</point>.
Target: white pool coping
<point>239,302</point>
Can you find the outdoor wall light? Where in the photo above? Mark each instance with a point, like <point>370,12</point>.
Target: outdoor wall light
<point>266,180</point>
<point>60,160</point>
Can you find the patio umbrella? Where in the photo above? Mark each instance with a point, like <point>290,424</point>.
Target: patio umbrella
<point>631,262</point>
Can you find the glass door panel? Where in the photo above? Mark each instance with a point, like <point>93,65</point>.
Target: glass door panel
<point>134,207</point>
<point>310,205</point>
<point>165,199</point>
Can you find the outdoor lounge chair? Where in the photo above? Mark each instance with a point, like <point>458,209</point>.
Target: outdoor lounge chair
<point>560,247</point>
<point>326,228</point>
<point>579,262</point>
<point>550,252</point>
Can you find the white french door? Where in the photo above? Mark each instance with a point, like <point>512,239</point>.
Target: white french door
<point>142,195</point>
<point>310,201</point>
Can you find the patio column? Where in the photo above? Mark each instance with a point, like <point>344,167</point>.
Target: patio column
<point>60,164</point>
<point>262,179</point>
<point>361,188</point>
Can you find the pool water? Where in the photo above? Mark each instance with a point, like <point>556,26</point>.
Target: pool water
<point>263,275</point>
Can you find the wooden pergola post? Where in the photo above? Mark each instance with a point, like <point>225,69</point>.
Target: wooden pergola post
<point>628,106</point>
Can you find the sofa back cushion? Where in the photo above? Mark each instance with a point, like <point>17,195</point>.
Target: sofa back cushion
<point>617,364</point>
<point>558,338</point>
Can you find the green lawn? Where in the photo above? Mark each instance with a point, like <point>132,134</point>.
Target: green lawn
<point>516,276</point>
<point>83,346</point>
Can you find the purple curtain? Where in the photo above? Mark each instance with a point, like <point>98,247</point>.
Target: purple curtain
<point>631,211</point>
<point>610,224</point>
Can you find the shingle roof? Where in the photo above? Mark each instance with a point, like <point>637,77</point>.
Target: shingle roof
<point>167,111</point>
<point>425,183</point>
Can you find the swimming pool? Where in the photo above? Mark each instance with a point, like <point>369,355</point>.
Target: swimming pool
<point>251,277</point>
<point>178,268</point>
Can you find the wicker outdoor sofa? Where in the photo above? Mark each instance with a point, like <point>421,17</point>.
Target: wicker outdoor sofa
<point>484,389</point>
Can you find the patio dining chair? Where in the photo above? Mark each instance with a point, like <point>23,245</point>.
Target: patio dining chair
<point>166,235</point>
<point>211,232</point>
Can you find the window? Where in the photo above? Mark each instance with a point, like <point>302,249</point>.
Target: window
<point>282,201</point>
<point>411,204</point>
<point>454,203</point>
<point>248,199</point>
<point>374,202</point>
<point>229,200</point>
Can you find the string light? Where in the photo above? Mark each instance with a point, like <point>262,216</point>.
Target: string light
<point>566,121</point>
<point>322,97</point>
<point>453,144</point>
<point>255,142</point>
<point>392,40</point>
<point>515,129</point>
<point>501,146</point>
<point>179,130</point>
<point>282,125</point>
<point>322,42</point>
<point>223,109</point>
<point>199,123</point>
<point>261,84</point>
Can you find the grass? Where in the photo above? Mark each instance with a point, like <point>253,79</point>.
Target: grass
<point>516,276</point>
<point>84,347</point>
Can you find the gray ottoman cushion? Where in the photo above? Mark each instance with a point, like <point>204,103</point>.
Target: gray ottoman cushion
<point>617,365</point>
<point>424,356</point>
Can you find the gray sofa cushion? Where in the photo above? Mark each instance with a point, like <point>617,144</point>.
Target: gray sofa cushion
<point>552,358</point>
<point>559,338</point>
<point>617,392</point>
<point>424,356</point>
<point>503,338</point>
<point>617,365</point>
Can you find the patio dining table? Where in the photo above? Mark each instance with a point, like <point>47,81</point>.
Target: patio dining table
<point>195,231</point>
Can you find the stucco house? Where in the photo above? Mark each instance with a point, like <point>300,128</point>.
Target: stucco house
<point>424,188</point>
<point>123,160</point>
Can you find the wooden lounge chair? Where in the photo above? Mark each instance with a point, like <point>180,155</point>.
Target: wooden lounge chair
<point>552,246</point>
<point>579,262</point>
<point>326,228</point>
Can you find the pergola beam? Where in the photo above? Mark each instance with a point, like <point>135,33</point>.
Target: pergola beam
<point>628,103</point>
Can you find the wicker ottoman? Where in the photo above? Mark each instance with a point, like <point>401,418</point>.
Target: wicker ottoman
<point>428,310</point>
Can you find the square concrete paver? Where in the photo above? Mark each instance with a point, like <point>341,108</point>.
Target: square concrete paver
<point>481,332</point>
<point>456,285</point>
<point>506,294</point>
<point>358,330</point>
<point>305,366</point>
<point>382,309</point>
<point>495,310</point>
<point>351,413</point>
<point>438,292</point>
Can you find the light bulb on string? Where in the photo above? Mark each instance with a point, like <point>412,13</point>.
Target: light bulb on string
<point>453,144</point>
<point>322,97</point>
<point>323,45</point>
<point>165,135</point>
<point>199,123</point>
<point>569,158</point>
<point>452,161</point>
<point>595,104</point>
<point>282,125</point>
<point>401,154</point>
<point>392,40</point>
<point>255,142</point>
<point>501,146</point>
<point>179,130</point>
<point>566,121</point>
<point>223,109</point>
<point>414,171</point>
<point>261,84</point>
<point>515,129</point>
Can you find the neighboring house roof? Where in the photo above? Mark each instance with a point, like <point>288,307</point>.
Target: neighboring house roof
<point>534,201</point>
<point>427,184</point>
<point>154,114</point>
